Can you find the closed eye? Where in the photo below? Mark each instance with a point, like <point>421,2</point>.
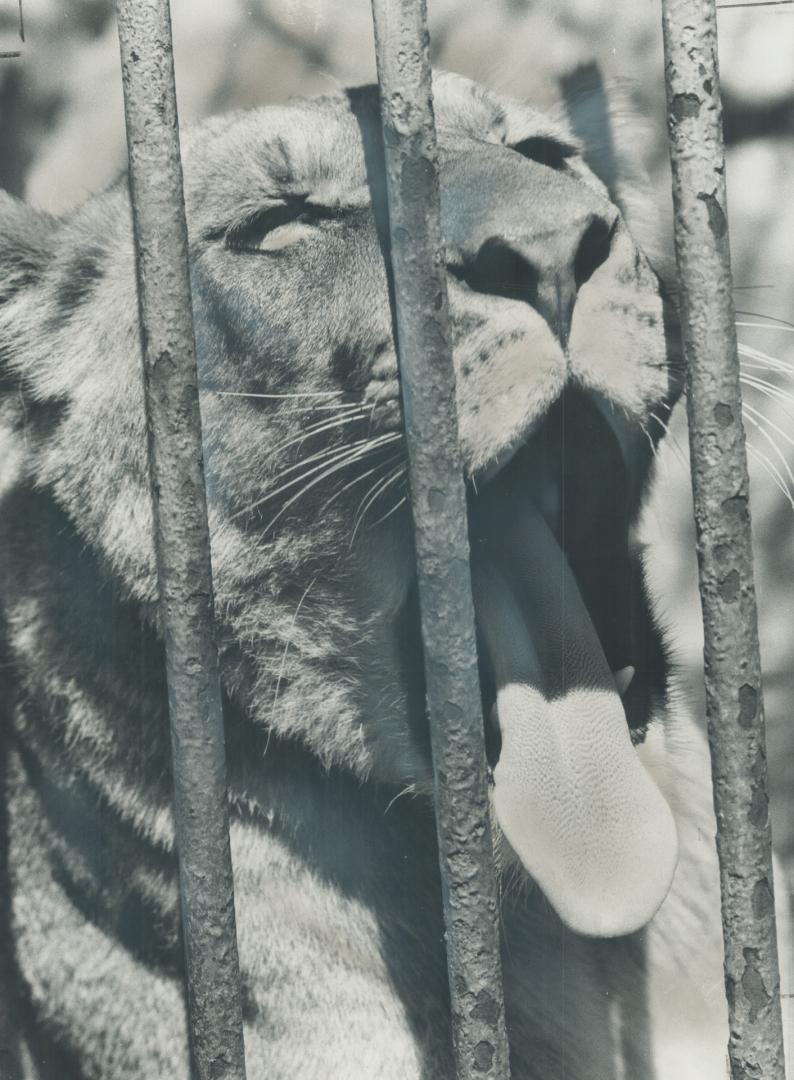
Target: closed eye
<point>544,151</point>
<point>277,227</point>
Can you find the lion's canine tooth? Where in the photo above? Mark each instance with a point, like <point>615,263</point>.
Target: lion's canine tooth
<point>623,678</point>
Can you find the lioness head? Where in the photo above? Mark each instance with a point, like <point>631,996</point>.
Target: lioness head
<point>564,380</point>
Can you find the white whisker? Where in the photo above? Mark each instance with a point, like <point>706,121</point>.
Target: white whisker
<point>298,409</point>
<point>771,471</point>
<point>338,408</point>
<point>770,423</point>
<point>675,445</point>
<point>785,327</point>
<point>322,458</point>
<point>329,455</point>
<point>762,431</point>
<point>410,789</point>
<point>768,389</point>
<point>277,397</point>
<point>389,513</point>
<point>369,498</point>
<point>306,433</point>
<point>357,480</point>
<point>330,471</point>
<point>759,315</point>
<point>375,489</point>
<point>283,664</point>
<point>760,382</point>
<point>748,354</point>
<point>660,458</point>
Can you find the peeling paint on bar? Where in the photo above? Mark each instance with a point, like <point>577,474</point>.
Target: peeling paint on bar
<point>720,484</point>
<point>442,547</point>
<point>182,542</point>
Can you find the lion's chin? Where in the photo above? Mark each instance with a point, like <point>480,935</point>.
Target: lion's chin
<point>570,794</point>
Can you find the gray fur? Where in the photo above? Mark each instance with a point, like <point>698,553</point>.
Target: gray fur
<point>335,862</point>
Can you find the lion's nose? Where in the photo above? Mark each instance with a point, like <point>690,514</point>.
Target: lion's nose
<point>546,269</point>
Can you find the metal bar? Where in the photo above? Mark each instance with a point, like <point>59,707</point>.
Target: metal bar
<point>442,548</point>
<point>720,486</point>
<point>182,541</point>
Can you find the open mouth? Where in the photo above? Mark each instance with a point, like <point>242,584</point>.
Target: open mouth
<point>555,597</point>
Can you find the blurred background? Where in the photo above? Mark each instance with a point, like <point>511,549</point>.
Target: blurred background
<point>62,137</point>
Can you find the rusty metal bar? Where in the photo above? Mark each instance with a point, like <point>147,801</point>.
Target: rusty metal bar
<point>442,548</point>
<point>182,541</point>
<point>720,486</point>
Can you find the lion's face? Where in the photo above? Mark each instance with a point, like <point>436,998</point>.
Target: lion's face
<point>564,383</point>
<point>559,345</point>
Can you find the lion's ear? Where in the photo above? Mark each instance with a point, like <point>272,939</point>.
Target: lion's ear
<point>26,245</point>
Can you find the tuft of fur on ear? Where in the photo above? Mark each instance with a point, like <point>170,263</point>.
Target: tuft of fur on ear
<point>607,124</point>
<point>26,245</point>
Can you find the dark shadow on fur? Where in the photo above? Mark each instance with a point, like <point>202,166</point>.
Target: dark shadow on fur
<point>10,1065</point>
<point>365,107</point>
<point>17,1020</point>
<point>99,891</point>
<point>91,847</point>
<point>369,842</point>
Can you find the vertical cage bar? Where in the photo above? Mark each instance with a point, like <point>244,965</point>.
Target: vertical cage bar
<point>720,487</point>
<point>182,541</point>
<point>442,548</point>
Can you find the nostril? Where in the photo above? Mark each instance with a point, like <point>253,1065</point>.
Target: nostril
<point>593,250</point>
<point>500,270</point>
<point>545,270</point>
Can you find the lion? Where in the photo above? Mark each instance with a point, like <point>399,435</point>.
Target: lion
<point>565,343</point>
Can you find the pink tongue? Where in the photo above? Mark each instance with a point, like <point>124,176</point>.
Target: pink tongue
<point>570,792</point>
